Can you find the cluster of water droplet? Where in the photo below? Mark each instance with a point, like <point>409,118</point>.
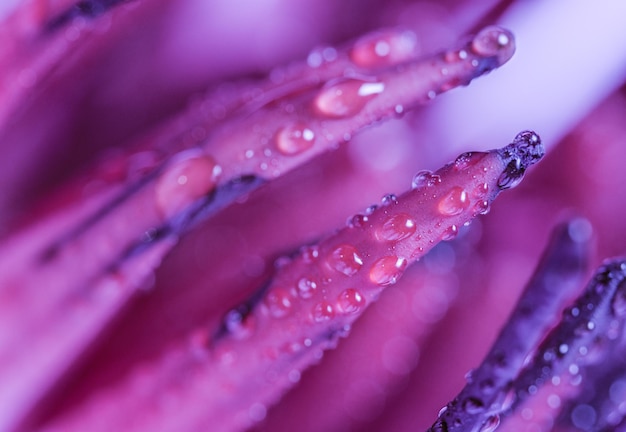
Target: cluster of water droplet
<point>525,150</point>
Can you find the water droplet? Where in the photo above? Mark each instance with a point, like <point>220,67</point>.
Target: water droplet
<point>239,322</point>
<point>279,302</point>
<point>450,233</point>
<point>389,199</point>
<point>494,42</point>
<point>396,228</point>
<point>357,221</point>
<point>350,301</point>
<point>482,207</point>
<point>456,55</point>
<point>425,179</point>
<point>371,209</point>
<point>184,182</point>
<point>454,202</point>
<point>310,253</point>
<point>322,312</point>
<point>346,98</point>
<point>387,270</point>
<point>306,287</point>
<point>480,190</point>
<point>563,349</point>
<point>294,139</point>
<point>384,49</point>
<point>466,160</point>
<point>473,405</point>
<point>346,259</point>
<point>512,175</point>
<point>525,150</point>
<point>319,56</point>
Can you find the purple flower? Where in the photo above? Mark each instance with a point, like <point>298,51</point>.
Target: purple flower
<point>145,218</point>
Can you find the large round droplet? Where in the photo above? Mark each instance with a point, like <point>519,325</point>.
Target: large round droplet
<point>346,259</point>
<point>294,139</point>
<point>387,270</point>
<point>184,182</point>
<point>397,227</point>
<point>494,42</point>
<point>278,302</point>
<point>384,49</point>
<point>322,312</point>
<point>454,202</point>
<point>350,301</point>
<point>346,98</point>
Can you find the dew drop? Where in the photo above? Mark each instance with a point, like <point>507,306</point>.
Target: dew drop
<point>346,259</point>
<point>425,179</point>
<point>389,199</point>
<point>454,202</point>
<point>512,175</point>
<point>306,287</point>
<point>466,160</point>
<point>494,42</point>
<point>397,227</point>
<point>279,302</point>
<point>346,98</point>
<point>480,190</point>
<point>320,56</point>
<point>456,55</point>
<point>239,323</point>
<point>184,182</point>
<point>322,312</point>
<point>371,209</point>
<point>357,221</point>
<point>294,139</point>
<point>310,253</point>
<point>387,270</point>
<point>350,301</point>
<point>384,49</point>
<point>482,207</point>
<point>450,233</point>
